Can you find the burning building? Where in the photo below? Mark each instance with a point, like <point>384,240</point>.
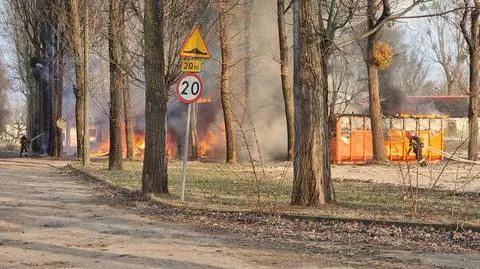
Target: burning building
<point>206,137</point>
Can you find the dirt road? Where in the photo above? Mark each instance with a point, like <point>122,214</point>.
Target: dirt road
<point>51,219</point>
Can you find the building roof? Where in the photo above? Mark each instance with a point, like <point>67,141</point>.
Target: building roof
<point>453,106</point>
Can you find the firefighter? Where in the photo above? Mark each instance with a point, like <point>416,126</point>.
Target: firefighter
<point>416,144</point>
<point>24,144</point>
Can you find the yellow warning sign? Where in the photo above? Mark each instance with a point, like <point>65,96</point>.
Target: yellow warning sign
<point>195,46</point>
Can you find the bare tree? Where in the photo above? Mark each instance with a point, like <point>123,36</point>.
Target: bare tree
<point>346,82</point>
<point>155,176</point>
<point>37,30</point>
<point>225,93</point>
<point>55,48</point>
<point>286,87</point>
<point>76,38</point>
<point>373,78</point>
<point>312,182</point>
<point>247,28</point>
<point>472,37</point>
<point>412,73</point>
<point>16,125</point>
<point>127,112</point>
<point>374,24</point>
<point>447,44</point>
<point>4,85</point>
<point>115,37</point>
<point>23,34</point>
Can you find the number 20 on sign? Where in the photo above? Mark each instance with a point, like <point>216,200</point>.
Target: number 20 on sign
<point>189,88</point>
<point>192,66</point>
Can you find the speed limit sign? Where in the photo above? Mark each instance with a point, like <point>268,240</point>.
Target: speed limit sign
<point>189,88</point>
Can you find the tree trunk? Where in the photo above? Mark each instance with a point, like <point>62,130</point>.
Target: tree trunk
<point>59,44</point>
<point>286,88</point>
<point>375,107</point>
<point>376,115</point>
<point>127,103</point>
<point>86,54</point>
<point>247,14</point>
<point>311,183</point>
<point>57,107</point>
<point>473,111</point>
<point>115,34</point>
<point>474,51</point>
<point>127,111</point>
<point>155,177</point>
<point>225,94</point>
<point>79,88</point>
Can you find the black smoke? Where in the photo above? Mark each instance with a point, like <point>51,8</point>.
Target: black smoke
<point>392,97</point>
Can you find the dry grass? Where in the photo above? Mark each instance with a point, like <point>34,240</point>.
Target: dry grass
<point>216,186</point>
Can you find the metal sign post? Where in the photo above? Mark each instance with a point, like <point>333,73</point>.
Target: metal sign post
<point>189,90</point>
<point>185,151</point>
<point>190,86</point>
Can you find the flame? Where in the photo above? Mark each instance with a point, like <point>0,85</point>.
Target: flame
<point>429,116</point>
<point>138,147</point>
<point>101,150</point>
<point>171,145</point>
<point>203,100</point>
<point>206,144</point>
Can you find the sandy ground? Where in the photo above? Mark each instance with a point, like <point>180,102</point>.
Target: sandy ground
<point>51,219</point>
<point>443,175</point>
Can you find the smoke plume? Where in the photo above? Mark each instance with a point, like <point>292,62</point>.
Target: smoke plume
<point>392,97</point>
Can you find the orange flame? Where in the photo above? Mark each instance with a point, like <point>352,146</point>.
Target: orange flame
<point>138,147</point>
<point>204,100</point>
<point>430,116</point>
<point>208,144</point>
<point>102,150</point>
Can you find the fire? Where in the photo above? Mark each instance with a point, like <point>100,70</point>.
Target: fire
<point>206,144</point>
<point>171,145</point>
<point>209,142</point>
<point>138,147</point>
<point>423,116</point>
<point>204,100</point>
<point>102,150</point>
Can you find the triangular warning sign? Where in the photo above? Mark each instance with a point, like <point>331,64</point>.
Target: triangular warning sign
<point>195,46</point>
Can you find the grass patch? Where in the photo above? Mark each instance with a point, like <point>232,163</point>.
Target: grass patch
<point>215,186</point>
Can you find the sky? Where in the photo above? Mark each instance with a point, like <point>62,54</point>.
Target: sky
<point>413,28</point>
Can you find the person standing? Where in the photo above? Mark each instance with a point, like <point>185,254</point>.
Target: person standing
<point>24,144</point>
<point>416,144</point>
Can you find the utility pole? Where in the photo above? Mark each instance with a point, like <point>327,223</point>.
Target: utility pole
<point>86,136</point>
